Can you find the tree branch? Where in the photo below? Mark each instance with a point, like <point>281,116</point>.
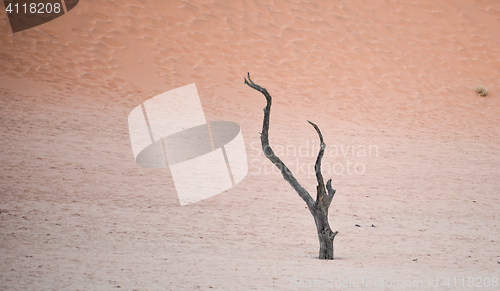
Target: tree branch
<point>331,191</point>
<point>269,153</point>
<point>321,193</point>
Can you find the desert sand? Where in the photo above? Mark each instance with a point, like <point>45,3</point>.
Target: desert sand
<point>77,213</point>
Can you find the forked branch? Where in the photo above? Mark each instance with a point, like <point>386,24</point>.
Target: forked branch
<point>318,208</point>
<point>322,197</point>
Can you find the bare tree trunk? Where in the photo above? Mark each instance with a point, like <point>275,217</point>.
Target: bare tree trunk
<point>324,194</point>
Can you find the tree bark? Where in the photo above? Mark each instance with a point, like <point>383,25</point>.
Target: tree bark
<point>324,194</point>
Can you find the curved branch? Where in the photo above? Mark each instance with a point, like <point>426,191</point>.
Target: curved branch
<point>269,153</point>
<point>317,167</point>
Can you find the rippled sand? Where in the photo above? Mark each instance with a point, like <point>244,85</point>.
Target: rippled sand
<point>78,214</point>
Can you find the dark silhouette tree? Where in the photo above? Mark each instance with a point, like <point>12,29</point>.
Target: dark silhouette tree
<point>324,196</point>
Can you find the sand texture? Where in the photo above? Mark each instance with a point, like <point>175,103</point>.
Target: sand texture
<point>77,213</point>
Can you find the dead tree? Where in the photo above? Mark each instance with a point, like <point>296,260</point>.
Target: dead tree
<point>324,196</point>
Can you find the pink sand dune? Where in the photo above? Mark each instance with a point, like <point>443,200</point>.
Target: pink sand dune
<point>396,77</point>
